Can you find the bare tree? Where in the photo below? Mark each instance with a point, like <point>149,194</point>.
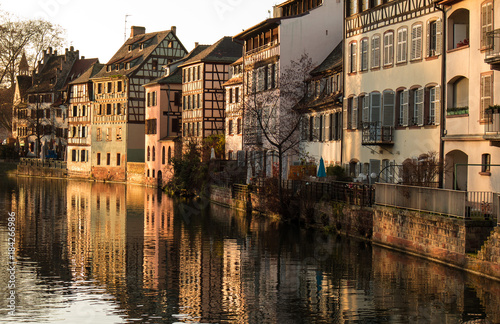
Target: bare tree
<point>273,112</point>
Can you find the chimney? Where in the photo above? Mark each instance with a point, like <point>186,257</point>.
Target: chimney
<point>173,29</point>
<point>83,57</point>
<point>136,30</point>
<point>55,53</point>
<point>196,44</point>
<point>50,50</point>
<point>71,48</point>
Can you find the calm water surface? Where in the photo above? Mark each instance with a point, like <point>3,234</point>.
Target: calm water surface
<point>110,253</point>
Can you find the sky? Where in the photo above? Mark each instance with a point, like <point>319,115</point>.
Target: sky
<point>97,27</point>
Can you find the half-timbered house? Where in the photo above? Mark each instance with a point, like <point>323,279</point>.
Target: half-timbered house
<point>472,132</point>
<point>298,27</point>
<point>41,123</point>
<point>393,85</point>
<point>321,129</point>
<point>164,121</point>
<point>234,110</point>
<point>80,101</point>
<point>118,122</point>
<point>203,101</point>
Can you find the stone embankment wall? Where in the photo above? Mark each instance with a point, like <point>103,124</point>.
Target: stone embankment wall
<point>135,173</point>
<point>224,196</point>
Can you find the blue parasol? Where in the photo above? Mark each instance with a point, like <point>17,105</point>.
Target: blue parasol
<point>321,169</point>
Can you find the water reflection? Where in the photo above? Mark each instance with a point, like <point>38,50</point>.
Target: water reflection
<point>109,253</point>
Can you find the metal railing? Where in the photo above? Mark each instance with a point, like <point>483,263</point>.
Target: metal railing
<point>492,126</point>
<point>462,204</point>
<point>375,133</point>
<point>49,163</point>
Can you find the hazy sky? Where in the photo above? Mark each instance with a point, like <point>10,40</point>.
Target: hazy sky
<point>97,27</point>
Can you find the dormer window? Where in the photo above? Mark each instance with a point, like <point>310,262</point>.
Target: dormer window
<point>117,67</point>
<point>128,65</point>
<point>141,46</point>
<point>130,48</point>
<point>108,68</point>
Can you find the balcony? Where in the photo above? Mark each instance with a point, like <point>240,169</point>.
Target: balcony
<point>492,127</point>
<point>78,141</point>
<point>492,56</point>
<point>376,134</point>
<point>261,53</point>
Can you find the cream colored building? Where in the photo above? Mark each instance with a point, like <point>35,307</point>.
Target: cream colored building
<point>392,91</point>
<point>472,130</point>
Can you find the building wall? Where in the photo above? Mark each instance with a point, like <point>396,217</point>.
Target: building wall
<point>234,111</point>
<point>408,141</point>
<point>465,132</point>
<point>315,34</point>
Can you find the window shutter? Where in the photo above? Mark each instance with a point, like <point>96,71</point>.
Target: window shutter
<point>366,109</point>
<point>345,114</point>
<point>276,75</point>
<point>419,101</point>
<point>327,125</point>
<point>375,52</point>
<point>269,76</point>
<point>439,36</point>
<point>388,112</point>
<point>353,57</point>
<point>354,115</point>
<point>316,128</point>
<point>405,108</point>
<point>428,48</point>
<point>413,54</point>
<point>305,129</point>
<point>437,105</point>
<point>375,107</point>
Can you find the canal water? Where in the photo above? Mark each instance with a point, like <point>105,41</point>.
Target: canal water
<point>110,253</point>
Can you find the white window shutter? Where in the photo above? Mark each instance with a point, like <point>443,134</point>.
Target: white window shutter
<point>405,107</point>
<point>375,99</point>
<point>354,115</point>
<point>439,36</point>
<point>437,106</point>
<point>428,48</point>
<point>366,109</point>
<point>345,114</point>
<point>419,100</point>
<point>388,111</point>
<point>418,45</point>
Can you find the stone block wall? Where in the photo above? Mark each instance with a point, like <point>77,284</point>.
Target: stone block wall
<point>135,173</point>
<point>109,173</point>
<point>36,171</point>
<point>347,219</point>
<point>430,235</point>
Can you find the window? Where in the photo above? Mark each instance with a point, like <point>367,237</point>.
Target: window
<point>148,158</point>
<point>230,127</point>
<point>108,134</point>
<point>99,88</point>
<point>155,65</point>
<point>434,41</point>
<point>230,95</point>
<point>402,45</point>
<point>486,163</point>
<point>82,156</point>
<point>154,153</point>
<point>99,135</point>
<point>163,155</point>
<point>238,126</point>
<point>486,23</point>
<point>352,57</point>
<point>110,87</point>
<point>434,109</point>
<point>388,48</point>
<point>109,111</point>
<point>364,54</point>
<point>73,155</point>
<point>416,42</point>
<point>119,134</point>
<point>375,51</point>
<point>236,95</point>
<point>365,106</point>
<point>118,159</point>
<point>119,87</point>
<point>98,158</point>
<point>108,158</point>
<point>376,101</point>
<point>486,92</point>
<point>169,154</point>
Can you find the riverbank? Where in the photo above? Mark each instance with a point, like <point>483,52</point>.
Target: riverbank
<point>8,168</point>
<point>470,244</point>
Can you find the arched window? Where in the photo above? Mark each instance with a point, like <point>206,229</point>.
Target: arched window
<point>163,155</point>
<point>149,156</point>
<point>458,26</point>
<point>169,154</point>
<point>154,153</point>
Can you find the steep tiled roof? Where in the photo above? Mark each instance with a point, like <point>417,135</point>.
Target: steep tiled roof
<point>333,62</point>
<point>89,73</point>
<point>80,67</point>
<point>24,82</point>
<point>175,75</point>
<point>224,51</point>
<point>135,54</point>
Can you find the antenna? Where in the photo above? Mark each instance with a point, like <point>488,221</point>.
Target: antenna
<point>125,33</point>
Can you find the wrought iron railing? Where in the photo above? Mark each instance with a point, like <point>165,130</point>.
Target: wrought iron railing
<point>374,133</point>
